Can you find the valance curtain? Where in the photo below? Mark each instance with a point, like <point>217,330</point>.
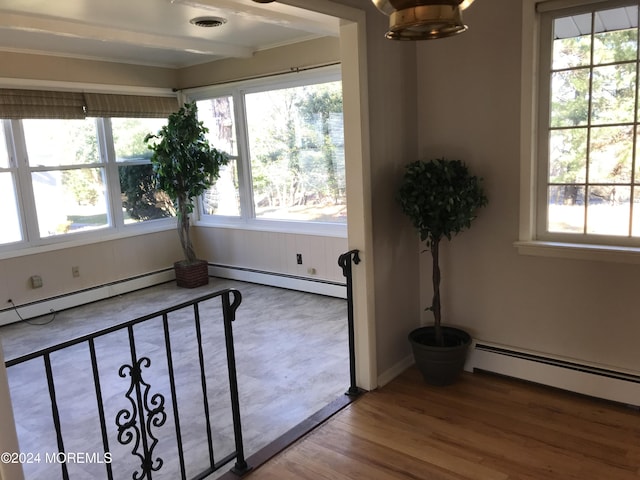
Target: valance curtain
<point>108,105</point>
<point>17,103</point>
<point>41,104</point>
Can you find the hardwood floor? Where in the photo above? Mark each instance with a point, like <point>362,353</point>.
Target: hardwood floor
<point>484,427</point>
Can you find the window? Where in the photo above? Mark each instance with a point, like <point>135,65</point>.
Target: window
<point>588,158</point>
<point>76,176</point>
<point>286,139</point>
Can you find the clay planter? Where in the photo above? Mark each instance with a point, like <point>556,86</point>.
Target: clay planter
<point>440,365</point>
<point>191,274</point>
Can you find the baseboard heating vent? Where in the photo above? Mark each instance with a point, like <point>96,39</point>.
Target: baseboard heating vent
<point>281,280</point>
<point>587,379</point>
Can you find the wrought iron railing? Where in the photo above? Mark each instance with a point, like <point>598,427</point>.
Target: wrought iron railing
<point>136,426</point>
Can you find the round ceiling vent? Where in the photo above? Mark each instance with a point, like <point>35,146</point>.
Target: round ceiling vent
<point>208,22</point>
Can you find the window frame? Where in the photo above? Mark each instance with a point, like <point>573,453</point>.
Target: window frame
<point>533,237</point>
<point>247,219</point>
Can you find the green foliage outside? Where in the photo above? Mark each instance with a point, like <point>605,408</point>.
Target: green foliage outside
<point>600,95</point>
<point>294,147</point>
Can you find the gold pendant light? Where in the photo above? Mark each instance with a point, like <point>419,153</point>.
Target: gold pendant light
<point>423,19</point>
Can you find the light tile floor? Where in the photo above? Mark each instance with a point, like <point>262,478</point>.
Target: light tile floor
<point>291,353</point>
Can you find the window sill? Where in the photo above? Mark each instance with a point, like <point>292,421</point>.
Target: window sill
<point>98,236</point>
<point>276,226</point>
<point>578,251</point>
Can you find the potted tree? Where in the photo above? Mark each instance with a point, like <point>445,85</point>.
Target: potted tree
<point>441,199</point>
<point>185,166</point>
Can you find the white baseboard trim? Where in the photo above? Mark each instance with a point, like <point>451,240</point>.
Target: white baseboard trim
<point>588,379</point>
<point>82,297</point>
<point>292,282</point>
<point>62,302</point>
<point>391,373</point>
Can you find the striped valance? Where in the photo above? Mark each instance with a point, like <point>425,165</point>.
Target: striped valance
<point>107,105</point>
<point>17,103</point>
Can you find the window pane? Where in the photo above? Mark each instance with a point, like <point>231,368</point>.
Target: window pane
<point>570,98</point>
<point>572,41</point>
<point>566,209</point>
<point>610,157</point>
<point>616,44</point>
<point>568,155</point>
<point>614,94</point>
<point>141,201</point>
<point>61,142</point>
<point>217,116</point>
<point>4,154</point>
<point>9,219</point>
<point>70,200</point>
<point>223,198</point>
<point>636,213</point>
<point>608,210</point>
<point>128,137</point>
<point>296,145</point>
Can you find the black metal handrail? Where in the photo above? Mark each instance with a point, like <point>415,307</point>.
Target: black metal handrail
<point>345,262</point>
<point>136,424</point>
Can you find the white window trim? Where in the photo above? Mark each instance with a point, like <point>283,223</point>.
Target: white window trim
<point>527,243</point>
<point>248,221</point>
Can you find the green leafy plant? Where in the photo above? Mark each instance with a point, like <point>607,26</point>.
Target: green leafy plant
<point>441,199</point>
<point>185,166</point>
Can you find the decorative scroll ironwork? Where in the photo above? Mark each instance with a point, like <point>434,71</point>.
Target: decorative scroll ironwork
<point>136,425</point>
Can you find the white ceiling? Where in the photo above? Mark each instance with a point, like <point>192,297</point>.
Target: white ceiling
<point>154,32</point>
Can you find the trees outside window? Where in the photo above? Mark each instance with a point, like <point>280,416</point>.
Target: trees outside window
<point>287,145</point>
<point>80,176</point>
<point>588,156</point>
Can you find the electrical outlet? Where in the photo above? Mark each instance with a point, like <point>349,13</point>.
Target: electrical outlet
<point>75,271</point>
<point>299,258</point>
<point>36,281</point>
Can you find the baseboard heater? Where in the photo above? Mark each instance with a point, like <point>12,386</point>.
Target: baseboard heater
<point>82,297</point>
<point>281,280</point>
<point>587,379</point>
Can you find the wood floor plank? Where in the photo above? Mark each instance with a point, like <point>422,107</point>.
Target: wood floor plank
<point>482,428</point>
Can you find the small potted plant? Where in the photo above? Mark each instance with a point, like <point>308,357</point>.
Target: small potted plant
<point>185,166</point>
<point>441,199</point>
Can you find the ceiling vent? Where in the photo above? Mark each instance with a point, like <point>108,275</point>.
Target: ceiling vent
<point>208,22</point>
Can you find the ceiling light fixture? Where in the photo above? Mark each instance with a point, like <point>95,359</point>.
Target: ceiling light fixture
<point>208,22</point>
<point>264,1</point>
<point>423,19</point>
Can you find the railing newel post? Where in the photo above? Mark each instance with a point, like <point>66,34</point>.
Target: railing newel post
<point>345,261</point>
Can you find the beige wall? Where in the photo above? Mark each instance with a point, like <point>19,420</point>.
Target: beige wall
<point>316,52</point>
<point>272,251</point>
<point>99,263</point>
<point>58,69</point>
<point>470,109</point>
